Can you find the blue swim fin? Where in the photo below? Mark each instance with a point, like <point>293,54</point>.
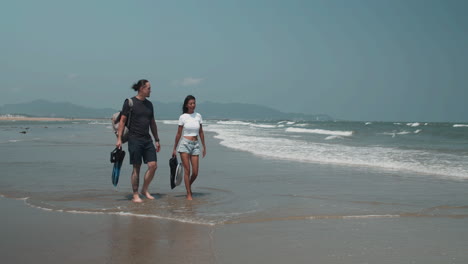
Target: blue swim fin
<point>115,174</point>
<point>117,156</point>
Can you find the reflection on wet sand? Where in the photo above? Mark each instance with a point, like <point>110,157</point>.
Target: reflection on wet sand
<point>146,240</point>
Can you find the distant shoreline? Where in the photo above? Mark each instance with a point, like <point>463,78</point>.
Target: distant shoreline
<point>24,118</point>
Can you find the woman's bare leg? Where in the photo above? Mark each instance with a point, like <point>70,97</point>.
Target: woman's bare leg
<point>194,161</point>
<point>185,157</point>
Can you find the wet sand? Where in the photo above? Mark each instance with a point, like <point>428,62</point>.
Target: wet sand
<point>31,235</point>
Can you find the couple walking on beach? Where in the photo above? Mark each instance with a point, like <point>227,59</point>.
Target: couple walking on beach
<point>142,148</point>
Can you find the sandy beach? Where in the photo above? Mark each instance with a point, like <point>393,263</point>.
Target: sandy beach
<point>32,235</point>
<point>58,205</point>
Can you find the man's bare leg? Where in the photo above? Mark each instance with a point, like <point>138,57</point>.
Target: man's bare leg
<point>152,166</point>
<point>136,183</point>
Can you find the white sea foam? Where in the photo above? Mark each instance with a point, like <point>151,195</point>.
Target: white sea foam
<point>99,123</point>
<point>170,122</point>
<point>417,131</point>
<point>262,126</point>
<point>233,123</point>
<point>298,149</point>
<point>290,123</point>
<point>320,131</point>
<point>280,126</point>
<point>172,218</point>
<point>301,125</point>
<point>404,132</point>
<point>333,137</point>
<point>460,125</point>
<point>413,124</point>
<point>368,123</point>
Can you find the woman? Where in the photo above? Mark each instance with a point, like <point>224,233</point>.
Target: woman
<point>190,128</point>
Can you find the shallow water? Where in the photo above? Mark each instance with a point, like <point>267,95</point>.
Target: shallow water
<point>248,175</point>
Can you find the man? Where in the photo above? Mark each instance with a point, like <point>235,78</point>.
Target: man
<point>140,144</point>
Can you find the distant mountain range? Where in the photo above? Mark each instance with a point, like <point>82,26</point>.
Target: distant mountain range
<point>171,111</point>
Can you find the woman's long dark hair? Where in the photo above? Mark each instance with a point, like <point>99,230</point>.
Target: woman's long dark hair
<point>136,86</point>
<point>187,99</point>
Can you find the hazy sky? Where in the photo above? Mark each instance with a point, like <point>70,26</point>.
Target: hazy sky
<point>391,60</point>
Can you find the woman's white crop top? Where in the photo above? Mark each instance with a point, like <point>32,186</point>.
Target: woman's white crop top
<point>191,124</point>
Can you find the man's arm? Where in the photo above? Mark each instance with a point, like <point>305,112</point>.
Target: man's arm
<point>154,131</point>
<point>123,120</point>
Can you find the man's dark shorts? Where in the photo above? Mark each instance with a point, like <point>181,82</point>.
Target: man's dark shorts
<point>141,149</point>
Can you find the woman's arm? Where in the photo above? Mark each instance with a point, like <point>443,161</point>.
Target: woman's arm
<point>202,138</point>
<point>177,138</point>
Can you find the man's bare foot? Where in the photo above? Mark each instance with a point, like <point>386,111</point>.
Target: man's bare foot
<point>137,199</point>
<point>148,195</point>
<point>189,197</point>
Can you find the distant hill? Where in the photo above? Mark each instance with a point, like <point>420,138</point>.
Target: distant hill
<point>43,108</point>
<point>210,110</point>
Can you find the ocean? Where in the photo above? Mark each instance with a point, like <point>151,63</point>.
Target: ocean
<point>254,171</point>
<point>432,149</point>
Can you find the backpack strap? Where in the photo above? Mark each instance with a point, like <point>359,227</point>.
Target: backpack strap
<point>130,103</point>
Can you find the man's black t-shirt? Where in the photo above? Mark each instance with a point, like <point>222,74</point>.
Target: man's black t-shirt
<point>142,113</point>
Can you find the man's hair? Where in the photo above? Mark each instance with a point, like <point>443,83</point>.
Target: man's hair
<point>136,86</point>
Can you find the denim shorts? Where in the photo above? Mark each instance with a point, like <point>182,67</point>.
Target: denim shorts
<point>141,149</point>
<point>189,146</point>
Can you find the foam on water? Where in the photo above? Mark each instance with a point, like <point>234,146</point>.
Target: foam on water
<point>233,123</point>
<point>333,137</point>
<point>300,125</point>
<point>304,150</point>
<point>413,124</point>
<point>121,213</point>
<point>99,123</point>
<point>262,126</point>
<point>170,122</point>
<point>320,131</point>
<point>460,125</point>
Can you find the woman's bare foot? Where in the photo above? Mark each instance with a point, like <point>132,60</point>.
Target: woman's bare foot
<point>137,199</point>
<point>189,197</point>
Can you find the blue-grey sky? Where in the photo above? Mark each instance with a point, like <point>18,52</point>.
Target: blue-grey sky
<point>389,60</point>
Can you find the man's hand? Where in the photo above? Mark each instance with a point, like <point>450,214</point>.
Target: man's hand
<point>158,146</point>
